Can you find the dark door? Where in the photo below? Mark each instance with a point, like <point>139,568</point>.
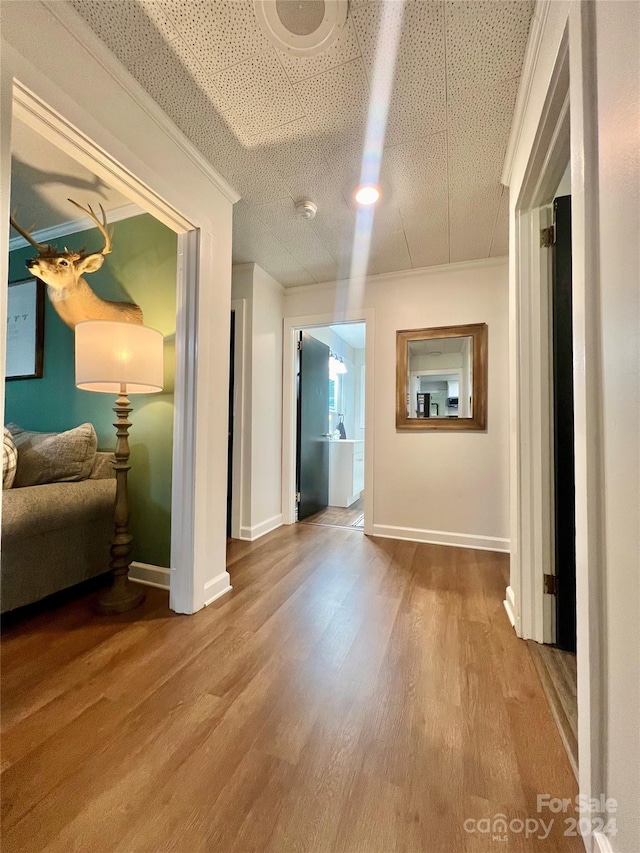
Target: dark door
<point>313,426</point>
<point>230,437</point>
<point>563,438</point>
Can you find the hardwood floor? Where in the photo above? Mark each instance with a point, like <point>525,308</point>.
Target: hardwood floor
<point>559,676</point>
<point>351,695</point>
<point>337,516</point>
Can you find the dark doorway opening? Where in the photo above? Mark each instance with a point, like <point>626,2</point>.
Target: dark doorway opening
<point>563,432</point>
<point>232,350</point>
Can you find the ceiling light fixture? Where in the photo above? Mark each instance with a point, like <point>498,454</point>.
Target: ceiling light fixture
<point>367,195</point>
<point>301,27</point>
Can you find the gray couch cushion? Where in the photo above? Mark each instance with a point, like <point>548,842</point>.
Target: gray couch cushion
<point>45,457</point>
<point>103,465</point>
<point>55,505</point>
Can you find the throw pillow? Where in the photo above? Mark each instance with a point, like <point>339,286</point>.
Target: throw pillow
<point>9,460</point>
<point>54,457</point>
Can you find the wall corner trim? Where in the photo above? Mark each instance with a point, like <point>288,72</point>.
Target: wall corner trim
<point>534,44</point>
<point>474,541</point>
<point>216,587</point>
<point>510,605</point>
<point>601,843</point>
<point>250,534</point>
<point>78,27</point>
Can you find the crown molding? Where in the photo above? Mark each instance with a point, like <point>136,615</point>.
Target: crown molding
<point>87,38</point>
<point>420,272</point>
<point>45,235</point>
<point>534,43</point>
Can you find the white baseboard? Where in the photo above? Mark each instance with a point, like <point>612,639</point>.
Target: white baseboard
<point>149,575</point>
<point>216,587</point>
<point>159,577</point>
<point>601,843</point>
<point>249,534</point>
<point>510,606</point>
<point>442,537</point>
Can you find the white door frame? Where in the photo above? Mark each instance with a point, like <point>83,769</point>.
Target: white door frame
<point>292,325</point>
<point>240,392</point>
<point>558,137</point>
<point>55,129</point>
<point>116,130</point>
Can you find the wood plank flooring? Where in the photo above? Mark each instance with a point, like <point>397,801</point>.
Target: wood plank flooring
<point>351,695</point>
<point>559,676</point>
<point>337,516</point>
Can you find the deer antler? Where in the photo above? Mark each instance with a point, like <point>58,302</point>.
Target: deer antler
<point>43,248</point>
<point>102,226</point>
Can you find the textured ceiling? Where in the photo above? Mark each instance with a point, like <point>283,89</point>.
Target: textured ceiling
<point>281,128</point>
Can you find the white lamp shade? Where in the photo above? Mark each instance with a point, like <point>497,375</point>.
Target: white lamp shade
<point>110,355</point>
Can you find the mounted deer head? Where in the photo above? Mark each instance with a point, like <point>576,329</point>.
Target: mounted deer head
<point>62,272</point>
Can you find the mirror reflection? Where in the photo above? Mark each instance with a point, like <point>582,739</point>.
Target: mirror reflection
<point>440,378</point>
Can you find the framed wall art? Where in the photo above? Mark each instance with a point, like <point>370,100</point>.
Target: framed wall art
<point>25,329</point>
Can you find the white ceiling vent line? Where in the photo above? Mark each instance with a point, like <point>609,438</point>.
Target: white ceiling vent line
<point>301,27</point>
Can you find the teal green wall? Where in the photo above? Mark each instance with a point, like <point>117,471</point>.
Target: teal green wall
<point>142,269</point>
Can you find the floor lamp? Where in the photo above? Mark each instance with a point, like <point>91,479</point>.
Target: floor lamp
<point>122,359</point>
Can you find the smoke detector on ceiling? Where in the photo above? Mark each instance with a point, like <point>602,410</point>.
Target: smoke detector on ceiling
<point>301,27</point>
<point>306,209</point>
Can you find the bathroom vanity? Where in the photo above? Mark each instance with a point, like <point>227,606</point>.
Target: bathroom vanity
<point>346,471</point>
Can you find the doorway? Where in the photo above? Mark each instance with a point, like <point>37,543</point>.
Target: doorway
<point>187,577</point>
<point>330,425</point>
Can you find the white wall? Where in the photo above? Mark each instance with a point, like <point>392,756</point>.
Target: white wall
<point>618,47</point>
<point>433,486</point>
<point>261,440</point>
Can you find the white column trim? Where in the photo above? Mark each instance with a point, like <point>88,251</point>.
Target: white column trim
<point>510,606</point>
<point>568,63</point>
<point>240,436</point>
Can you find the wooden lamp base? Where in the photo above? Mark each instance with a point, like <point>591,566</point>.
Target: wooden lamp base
<point>122,595</point>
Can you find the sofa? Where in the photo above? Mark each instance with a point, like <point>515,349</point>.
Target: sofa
<point>55,534</point>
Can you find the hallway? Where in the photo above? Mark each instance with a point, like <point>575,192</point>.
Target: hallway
<point>350,694</point>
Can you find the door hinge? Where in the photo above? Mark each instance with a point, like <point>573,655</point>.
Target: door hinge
<point>299,345</point>
<point>548,237</point>
<point>298,497</point>
<point>550,584</point>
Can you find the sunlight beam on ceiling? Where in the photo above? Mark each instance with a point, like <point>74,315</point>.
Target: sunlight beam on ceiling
<point>381,88</point>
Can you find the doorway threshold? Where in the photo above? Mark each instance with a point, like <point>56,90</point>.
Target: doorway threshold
<point>337,516</point>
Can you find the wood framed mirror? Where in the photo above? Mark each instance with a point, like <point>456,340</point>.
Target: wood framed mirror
<point>441,378</point>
